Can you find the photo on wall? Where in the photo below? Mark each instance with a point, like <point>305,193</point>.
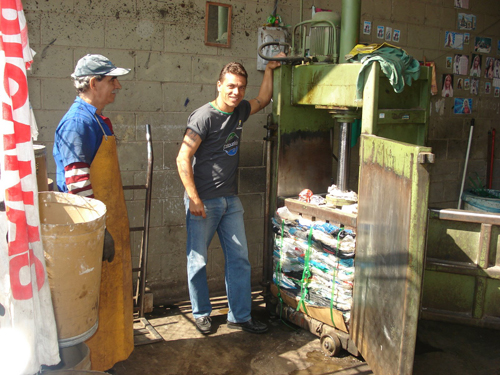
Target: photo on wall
<point>482,45</point>
<point>462,106</point>
<point>447,86</point>
<point>453,40</point>
<point>461,64</point>
<point>367,28</point>
<point>475,66</point>
<point>489,71</point>
<point>380,32</point>
<point>388,33</point>
<point>463,4</point>
<point>466,21</point>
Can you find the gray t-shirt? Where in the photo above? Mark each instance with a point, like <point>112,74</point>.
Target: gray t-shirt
<point>215,163</point>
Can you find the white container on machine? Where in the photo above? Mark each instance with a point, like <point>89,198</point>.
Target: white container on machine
<point>72,229</point>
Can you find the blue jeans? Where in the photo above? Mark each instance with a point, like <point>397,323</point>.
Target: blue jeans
<point>224,215</point>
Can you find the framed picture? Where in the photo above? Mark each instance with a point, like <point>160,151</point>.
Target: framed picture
<point>482,45</point>
<point>367,28</point>
<point>462,106</point>
<point>380,32</point>
<point>388,33</point>
<point>395,36</point>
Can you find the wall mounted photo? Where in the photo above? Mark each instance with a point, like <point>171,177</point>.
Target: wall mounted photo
<point>388,33</point>
<point>461,64</point>
<point>474,86</point>
<point>475,65</point>
<point>396,35</point>
<point>367,28</point>
<point>454,40</point>
<point>482,45</point>
<point>489,69</point>
<point>380,32</point>
<point>447,86</point>
<point>466,38</point>
<point>463,106</point>
<point>463,4</point>
<point>466,21</point>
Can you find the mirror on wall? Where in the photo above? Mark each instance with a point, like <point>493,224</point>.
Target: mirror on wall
<point>218,24</point>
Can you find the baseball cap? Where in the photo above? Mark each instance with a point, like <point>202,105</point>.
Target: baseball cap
<point>90,65</point>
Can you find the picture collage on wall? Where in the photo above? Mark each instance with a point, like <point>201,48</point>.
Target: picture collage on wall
<point>385,33</point>
<point>471,74</point>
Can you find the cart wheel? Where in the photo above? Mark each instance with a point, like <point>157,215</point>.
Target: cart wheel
<point>330,345</point>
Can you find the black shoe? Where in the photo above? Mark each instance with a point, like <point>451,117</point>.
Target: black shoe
<point>204,324</point>
<point>252,326</point>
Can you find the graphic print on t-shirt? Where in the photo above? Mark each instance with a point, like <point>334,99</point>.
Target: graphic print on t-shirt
<point>231,144</point>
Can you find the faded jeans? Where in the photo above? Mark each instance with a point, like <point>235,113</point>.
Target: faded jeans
<point>224,215</point>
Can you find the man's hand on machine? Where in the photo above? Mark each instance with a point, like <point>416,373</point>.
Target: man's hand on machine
<point>109,247</point>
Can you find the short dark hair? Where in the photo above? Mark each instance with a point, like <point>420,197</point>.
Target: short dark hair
<point>233,68</point>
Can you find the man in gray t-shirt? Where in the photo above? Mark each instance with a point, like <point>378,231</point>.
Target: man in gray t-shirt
<point>207,163</point>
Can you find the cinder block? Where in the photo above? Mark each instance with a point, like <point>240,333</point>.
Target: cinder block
<point>111,8</point>
<point>408,11</point>
<point>136,211</point>
<point>170,151</point>
<point>254,130</point>
<point>251,154</point>
<point>47,122</point>
<point>164,126</point>
<point>206,70</point>
<point>253,204</point>
<point>140,34</point>
<point>63,6</point>
<point>255,231</point>
<point>186,39</point>
<point>186,97</point>
<point>139,96</point>
<point>35,96</point>
<point>425,37</point>
<point>53,61</point>
<point>242,44</point>
<point>166,184</point>
<point>252,180</point>
<point>58,94</point>
<point>77,30</point>
<point>255,255</point>
<point>174,212</point>
<point>164,67</point>
<point>123,126</point>
<point>133,156</point>
<point>445,170</point>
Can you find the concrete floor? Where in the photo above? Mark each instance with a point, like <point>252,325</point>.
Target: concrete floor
<point>441,348</point>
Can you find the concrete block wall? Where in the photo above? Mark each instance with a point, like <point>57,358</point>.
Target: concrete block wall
<point>173,73</point>
<point>423,25</point>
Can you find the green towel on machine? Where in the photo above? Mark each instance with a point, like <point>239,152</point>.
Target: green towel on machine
<point>399,67</point>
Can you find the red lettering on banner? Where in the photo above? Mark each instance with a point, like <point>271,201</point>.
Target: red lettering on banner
<point>20,291</point>
<point>9,27</point>
<point>12,163</point>
<point>20,244</point>
<point>13,49</point>
<point>22,134</point>
<point>16,74</point>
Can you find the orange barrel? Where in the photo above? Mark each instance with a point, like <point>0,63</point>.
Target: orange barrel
<point>72,230</point>
<point>41,167</point>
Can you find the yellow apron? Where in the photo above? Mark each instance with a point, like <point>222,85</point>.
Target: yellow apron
<point>114,339</point>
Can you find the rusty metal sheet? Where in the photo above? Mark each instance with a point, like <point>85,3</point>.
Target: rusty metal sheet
<point>392,213</point>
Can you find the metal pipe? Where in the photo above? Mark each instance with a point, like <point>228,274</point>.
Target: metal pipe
<point>145,233</point>
<point>344,156</point>
<point>466,162</point>
<point>349,27</point>
<point>266,257</point>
